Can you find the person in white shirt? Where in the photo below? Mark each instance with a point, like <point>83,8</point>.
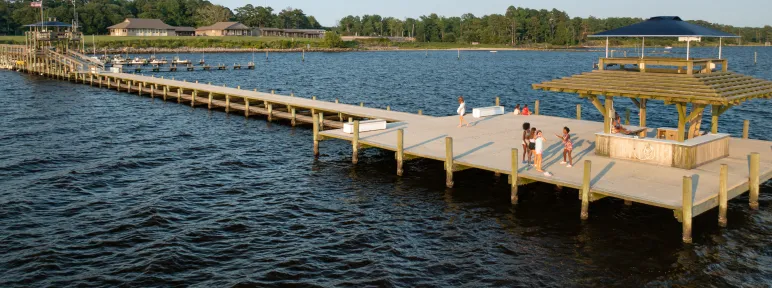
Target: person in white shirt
<point>539,150</point>
<point>517,109</point>
<point>461,112</point>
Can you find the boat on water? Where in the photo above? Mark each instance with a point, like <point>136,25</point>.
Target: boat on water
<point>159,62</point>
<point>118,60</point>
<point>668,47</point>
<point>177,60</point>
<point>494,51</point>
<point>138,61</point>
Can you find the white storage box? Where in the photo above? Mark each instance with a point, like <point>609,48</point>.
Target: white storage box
<point>487,111</point>
<point>365,126</point>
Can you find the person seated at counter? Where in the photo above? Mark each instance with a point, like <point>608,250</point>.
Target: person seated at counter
<point>617,125</point>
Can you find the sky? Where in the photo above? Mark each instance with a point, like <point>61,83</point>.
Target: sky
<point>743,13</point>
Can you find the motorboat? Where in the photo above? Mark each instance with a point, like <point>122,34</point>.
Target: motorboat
<point>177,60</point>
<point>159,62</point>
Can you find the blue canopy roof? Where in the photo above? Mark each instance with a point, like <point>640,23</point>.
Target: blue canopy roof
<point>664,26</point>
<point>49,24</point>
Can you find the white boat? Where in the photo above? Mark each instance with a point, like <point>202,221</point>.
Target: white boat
<point>159,62</point>
<point>668,47</point>
<point>177,60</point>
<point>138,61</point>
<point>494,51</point>
<point>118,60</point>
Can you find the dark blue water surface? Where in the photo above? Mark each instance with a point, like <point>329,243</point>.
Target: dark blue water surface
<point>101,188</point>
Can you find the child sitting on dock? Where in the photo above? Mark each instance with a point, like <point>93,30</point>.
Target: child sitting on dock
<point>525,110</point>
<point>568,147</point>
<point>517,110</point>
<point>539,149</point>
<point>461,111</point>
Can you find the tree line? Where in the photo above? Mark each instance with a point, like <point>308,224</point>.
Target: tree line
<point>516,26</point>
<point>94,16</point>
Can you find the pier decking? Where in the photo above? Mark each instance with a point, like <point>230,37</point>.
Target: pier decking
<point>487,145</point>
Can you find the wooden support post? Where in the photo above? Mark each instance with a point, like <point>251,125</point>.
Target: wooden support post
<point>754,180</point>
<point>139,88</point>
<point>578,111</point>
<point>193,98</point>
<point>609,105</point>
<point>179,94</point>
<point>686,209</point>
<point>313,97</point>
<point>498,101</point>
<point>227,103</point>
<point>293,120</point>
<point>388,108</point>
<point>420,112</point>
<point>681,107</point>
<point>246,107</point>
<point>585,214</point>
<point>269,107</point>
<point>513,177</point>
<point>152,91</point>
<point>400,150</point>
<point>722,195</point>
<point>627,116</point>
<point>361,104</point>
<point>108,83</point>
<point>355,143</point>
<point>209,104</point>
<point>316,135</point>
<point>536,107</point>
<point>321,121</point>
<point>746,128</point>
<point>91,79</point>
<point>166,92</point>
<point>128,86</point>
<point>714,114</point>
<point>449,162</point>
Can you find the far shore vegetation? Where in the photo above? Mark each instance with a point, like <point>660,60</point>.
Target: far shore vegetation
<point>516,27</point>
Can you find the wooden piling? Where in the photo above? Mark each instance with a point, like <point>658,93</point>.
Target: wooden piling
<point>209,104</point>
<point>316,135</point>
<point>269,107</point>
<point>361,104</point>
<point>388,108</point>
<point>513,177</point>
<point>355,143</point>
<point>293,120</point>
<point>578,111</point>
<point>321,121</point>
<point>498,101</point>
<point>746,128</point>
<point>722,195</point>
<point>152,91</point>
<point>449,162</point>
<point>166,92</point>
<point>585,214</point>
<point>420,112</point>
<point>227,103</point>
<point>754,180</point>
<point>536,107</point>
<point>179,94</point>
<point>686,209</point>
<point>246,107</point>
<point>400,150</point>
<point>193,98</point>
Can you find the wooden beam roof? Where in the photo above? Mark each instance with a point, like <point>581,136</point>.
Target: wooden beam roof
<point>721,88</point>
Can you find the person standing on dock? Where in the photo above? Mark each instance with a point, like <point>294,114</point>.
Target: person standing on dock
<point>517,110</point>
<point>531,145</point>
<point>539,149</point>
<point>526,140</point>
<point>568,147</point>
<point>461,112</point>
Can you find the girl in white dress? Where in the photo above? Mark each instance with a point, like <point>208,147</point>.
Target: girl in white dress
<point>461,111</point>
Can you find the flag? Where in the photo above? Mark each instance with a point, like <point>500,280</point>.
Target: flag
<point>36,4</point>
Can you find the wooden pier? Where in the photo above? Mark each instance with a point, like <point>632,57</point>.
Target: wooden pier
<point>490,144</point>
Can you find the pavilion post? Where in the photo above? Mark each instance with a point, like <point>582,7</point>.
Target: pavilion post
<point>609,107</point>
<point>719,47</point>
<point>643,46</point>
<point>606,47</point>
<point>687,49</point>
<point>681,107</point>
<point>642,113</point>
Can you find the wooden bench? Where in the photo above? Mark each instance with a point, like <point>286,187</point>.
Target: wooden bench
<point>365,126</point>
<point>487,111</point>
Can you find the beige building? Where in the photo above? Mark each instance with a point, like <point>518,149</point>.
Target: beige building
<point>141,27</point>
<point>224,29</point>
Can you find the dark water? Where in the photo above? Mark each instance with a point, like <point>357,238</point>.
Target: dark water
<point>100,188</point>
